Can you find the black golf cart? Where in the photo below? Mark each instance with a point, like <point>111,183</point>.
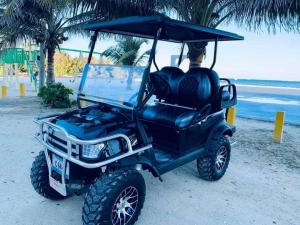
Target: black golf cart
<point>135,119</point>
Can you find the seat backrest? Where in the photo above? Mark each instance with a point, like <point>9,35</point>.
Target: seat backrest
<point>165,82</point>
<point>208,86</point>
<point>195,88</point>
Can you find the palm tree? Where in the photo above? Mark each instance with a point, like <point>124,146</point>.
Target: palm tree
<point>250,13</point>
<point>127,52</point>
<point>111,9</point>
<point>46,22</point>
<point>280,14</point>
<point>49,22</point>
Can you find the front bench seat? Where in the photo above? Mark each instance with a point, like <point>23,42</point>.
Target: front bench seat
<point>193,92</point>
<point>170,116</point>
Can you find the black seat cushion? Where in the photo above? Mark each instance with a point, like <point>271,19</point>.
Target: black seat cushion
<point>171,116</point>
<point>189,96</point>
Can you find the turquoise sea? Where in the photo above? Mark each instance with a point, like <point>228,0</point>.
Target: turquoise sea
<point>272,83</point>
<point>263,106</point>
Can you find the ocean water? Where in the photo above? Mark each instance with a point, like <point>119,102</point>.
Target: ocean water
<point>272,83</point>
<point>263,106</point>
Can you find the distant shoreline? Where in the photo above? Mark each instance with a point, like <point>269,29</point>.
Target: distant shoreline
<point>271,83</point>
<point>269,89</point>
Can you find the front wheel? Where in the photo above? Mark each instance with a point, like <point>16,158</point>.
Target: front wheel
<point>115,199</point>
<point>213,166</point>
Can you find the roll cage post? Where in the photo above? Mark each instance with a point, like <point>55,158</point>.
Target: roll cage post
<point>181,54</point>
<point>85,69</point>
<point>93,43</point>
<point>142,89</point>
<point>155,64</point>
<point>147,71</point>
<point>215,53</point>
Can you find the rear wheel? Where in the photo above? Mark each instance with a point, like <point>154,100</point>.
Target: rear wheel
<point>213,166</point>
<point>115,199</point>
<point>40,178</point>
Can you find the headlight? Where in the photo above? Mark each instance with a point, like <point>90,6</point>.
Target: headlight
<point>92,151</point>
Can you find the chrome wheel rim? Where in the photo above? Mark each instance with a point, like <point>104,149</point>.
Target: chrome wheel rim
<point>221,158</point>
<point>125,206</point>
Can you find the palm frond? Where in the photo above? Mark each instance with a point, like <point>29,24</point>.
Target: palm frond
<point>126,51</point>
<point>141,59</point>
<point>275,14</point>
<point>113,53</point>
<point>117,8</point>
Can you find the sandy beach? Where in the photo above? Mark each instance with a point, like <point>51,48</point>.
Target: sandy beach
<point>261,187</point>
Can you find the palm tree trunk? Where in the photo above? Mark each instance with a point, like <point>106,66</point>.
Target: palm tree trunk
<point>196,53</point>
<point>197,61</point>
<point>42,66</point>
<point>50,65</point>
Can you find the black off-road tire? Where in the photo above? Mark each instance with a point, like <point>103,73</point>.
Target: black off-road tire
<point>206,165</point>
<point>103,194</point>
<point>39,176</point>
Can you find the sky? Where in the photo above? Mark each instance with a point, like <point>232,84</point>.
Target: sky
<point>260,56</point>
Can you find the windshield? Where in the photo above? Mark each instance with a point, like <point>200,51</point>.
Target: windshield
<point>119,84</point>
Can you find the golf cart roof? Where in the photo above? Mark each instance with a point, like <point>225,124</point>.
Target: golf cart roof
<point>173,30</point>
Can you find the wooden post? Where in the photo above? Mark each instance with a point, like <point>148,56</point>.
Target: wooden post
<point>279,124</point>
<point>231,115</point>
<point>22,90</point>
<point>4,91</point>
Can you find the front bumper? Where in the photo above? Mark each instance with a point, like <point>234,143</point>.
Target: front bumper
<point>69,151</point>
<point>72,141</point>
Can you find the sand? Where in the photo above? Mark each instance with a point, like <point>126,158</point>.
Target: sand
<point>261,186</point>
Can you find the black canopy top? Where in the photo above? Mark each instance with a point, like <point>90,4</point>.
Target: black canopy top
<point>172,30</point>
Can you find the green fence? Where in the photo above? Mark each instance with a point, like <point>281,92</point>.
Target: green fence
<point>17,56</point>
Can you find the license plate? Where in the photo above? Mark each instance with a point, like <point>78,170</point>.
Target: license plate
<point>57,165</point>
<point>59,187</point>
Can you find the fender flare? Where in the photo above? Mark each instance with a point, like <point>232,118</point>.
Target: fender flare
<point>152,169</point>
<point>221,128</point>
<point>133,161</point>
